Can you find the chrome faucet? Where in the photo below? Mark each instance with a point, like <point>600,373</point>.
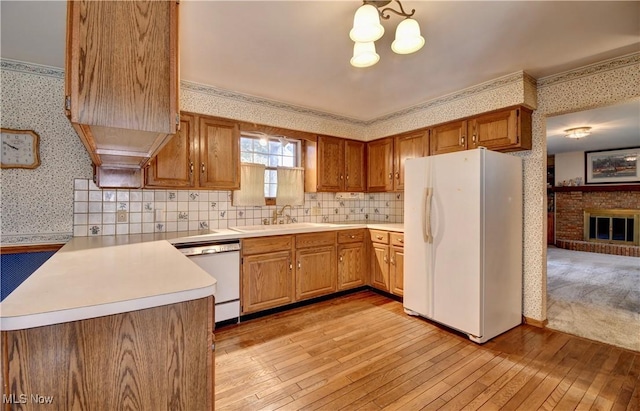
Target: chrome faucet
<point>280,213</point>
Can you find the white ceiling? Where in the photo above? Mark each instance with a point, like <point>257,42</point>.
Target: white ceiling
<point>615,126</point>
<point>298,52</point>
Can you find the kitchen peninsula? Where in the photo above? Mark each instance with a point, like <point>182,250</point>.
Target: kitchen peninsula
<point>106,313</point>
<point>123,311</point>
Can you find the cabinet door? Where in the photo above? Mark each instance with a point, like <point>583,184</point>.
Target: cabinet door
<point>380,165</point>
<point>380,266</point>
<point>351,265</point>
<point>448,138</point>
<point>355,174</point>
<point>330,164</point>
<point>122,63</point>
<point>219,154</point>
<point>494,130</point>
<point>174,165</point>
<point>267,281</point>
<point>396,268</point>
<point>411,145</point>
<point>316,272</point>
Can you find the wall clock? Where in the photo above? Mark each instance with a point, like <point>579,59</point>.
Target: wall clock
<point>20,149</point>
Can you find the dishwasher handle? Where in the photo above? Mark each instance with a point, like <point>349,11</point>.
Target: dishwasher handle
<point>210,249</point>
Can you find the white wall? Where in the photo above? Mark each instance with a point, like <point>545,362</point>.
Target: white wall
<point>569,166</point>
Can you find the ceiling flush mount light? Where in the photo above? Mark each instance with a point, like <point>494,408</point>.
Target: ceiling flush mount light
<point>577,132</point>
<point>367,29</point>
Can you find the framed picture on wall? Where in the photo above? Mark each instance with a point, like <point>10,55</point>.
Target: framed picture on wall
<point>612,166</point>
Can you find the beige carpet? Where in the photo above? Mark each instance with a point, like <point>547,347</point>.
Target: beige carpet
<point>596,296</point>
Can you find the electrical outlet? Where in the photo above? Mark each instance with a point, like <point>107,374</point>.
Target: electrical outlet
<point>122,216</point>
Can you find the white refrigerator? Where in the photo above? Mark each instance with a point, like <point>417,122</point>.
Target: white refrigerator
<point>463,241</point>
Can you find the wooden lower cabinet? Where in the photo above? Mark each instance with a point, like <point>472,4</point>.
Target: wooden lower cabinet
<point>396,271</point>
<point>315,272</point>
<point>281,270</point>
<point>157,359</point>
<point>315,264</point>
<point>267,281</point>
<point>387,261</point>
<point>267,273</point>
<point>380,266</point>
<point>352,259</point>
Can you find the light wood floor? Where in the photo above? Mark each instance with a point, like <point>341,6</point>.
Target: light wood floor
<point>361,352</point>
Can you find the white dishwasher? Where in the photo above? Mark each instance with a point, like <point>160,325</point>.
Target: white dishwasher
<point>221,259</point>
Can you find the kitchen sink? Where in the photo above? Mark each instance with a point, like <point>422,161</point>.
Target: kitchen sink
<point>274,227</point>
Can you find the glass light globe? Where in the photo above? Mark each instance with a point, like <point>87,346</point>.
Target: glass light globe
<point>366,25</point>
<point>408,39</point>
<point>364,54</point>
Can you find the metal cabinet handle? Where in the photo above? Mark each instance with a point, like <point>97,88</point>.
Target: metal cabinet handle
<point>202,166</point>
<point>393,261</point>
<point>299,265</point>
<point>401,240</point>
<point>352,236</point>
<point>379,237</point>
<point>385,259</point>
<point>341,177</point>
<point>347,176</point>
<point>191,167</point>
<point>462,140</point>
<point>341,259</point>
<point>397,175</point>
<point>390,176</point>
<point>290,266</point>
<point>473,139</point>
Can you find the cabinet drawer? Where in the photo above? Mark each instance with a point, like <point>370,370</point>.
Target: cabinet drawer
<point>378,236</point>
<point>266,244</point>
<point>397,239</point>
<point>351,236</point>
<point>315,239</point>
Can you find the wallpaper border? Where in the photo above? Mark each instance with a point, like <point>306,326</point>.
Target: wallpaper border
<point>591,69</point>
<point>31,68</point>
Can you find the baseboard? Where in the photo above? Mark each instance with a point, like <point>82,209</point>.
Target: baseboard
<point>536,323</point>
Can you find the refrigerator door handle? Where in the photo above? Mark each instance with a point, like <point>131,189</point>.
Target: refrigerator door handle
<point>426,215</point>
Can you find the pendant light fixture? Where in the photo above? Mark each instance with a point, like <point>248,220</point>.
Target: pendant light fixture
<point>367,29</point>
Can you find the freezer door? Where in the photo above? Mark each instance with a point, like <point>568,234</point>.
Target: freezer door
<point>418,268</point>
<point>456,222</point>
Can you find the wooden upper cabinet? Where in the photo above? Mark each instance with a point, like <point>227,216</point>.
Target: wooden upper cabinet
<point>502,130</point>
<point>354,164</point>
<point>331,174</point>
<point>408,145</point>
<point>334,164</point>
<point>121,79</point>
<point>204,154</point>
<point>448,138</point>
<point>219,154</point>
<point>386,158</point>
<point>174,165</point>
<point>380,165</point>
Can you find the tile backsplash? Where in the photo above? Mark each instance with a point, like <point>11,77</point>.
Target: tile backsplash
<point>95,210</point>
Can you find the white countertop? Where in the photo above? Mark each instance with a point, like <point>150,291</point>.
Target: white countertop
<point>96,276</point>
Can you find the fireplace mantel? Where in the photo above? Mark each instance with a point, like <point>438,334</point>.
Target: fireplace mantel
<point>590,188</point>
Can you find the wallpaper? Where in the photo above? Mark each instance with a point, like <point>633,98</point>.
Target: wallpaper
<point>38,205</point>
<point>602,84</point>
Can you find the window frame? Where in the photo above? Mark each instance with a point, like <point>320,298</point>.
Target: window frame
<point>278,139</point>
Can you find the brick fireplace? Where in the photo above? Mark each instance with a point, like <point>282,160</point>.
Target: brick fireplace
<point>575,206</point>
